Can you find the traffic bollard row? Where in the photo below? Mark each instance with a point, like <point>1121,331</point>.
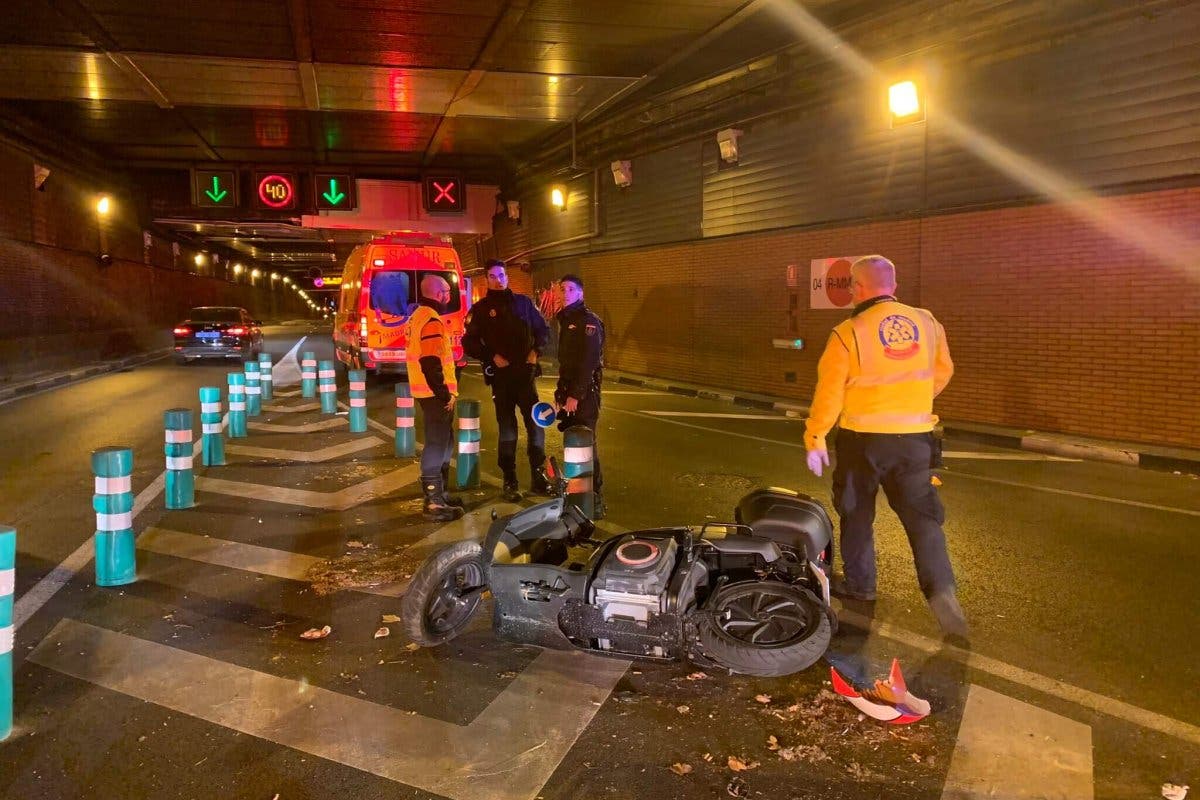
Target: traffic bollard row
<point>265,376</point>
<point>578,448</point>
<point>467,467</point>
<point>116,562</point>
<point>237,405</point>
<point>358,401</point>
<point>327,387</point>
<point>8,575</point>
<point>253,389</point>
<point>212,443</point>
<point>308,375</point>
<point>406,422</point>
<point>180,489</point>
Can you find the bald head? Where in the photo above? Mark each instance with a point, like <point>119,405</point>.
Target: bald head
<point>871,277</point>
<point>435,288</point>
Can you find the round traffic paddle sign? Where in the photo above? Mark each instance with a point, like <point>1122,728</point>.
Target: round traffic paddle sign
<point>543,415</point>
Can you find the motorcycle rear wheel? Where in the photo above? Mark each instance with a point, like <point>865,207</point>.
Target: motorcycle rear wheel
<point>443,595</point>
<point>765,628</point>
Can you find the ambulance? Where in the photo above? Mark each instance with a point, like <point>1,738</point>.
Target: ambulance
<point>380,285</point>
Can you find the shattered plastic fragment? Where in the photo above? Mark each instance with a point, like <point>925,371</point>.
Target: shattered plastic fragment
<point>763,698</point>
<point>1173,791</point>
<point>697,676</point>
<point>390,618</point>
<point>316,633</point>
<point>382,632</point>
<point>681,769</point>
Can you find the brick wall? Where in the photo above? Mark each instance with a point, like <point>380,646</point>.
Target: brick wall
<point>59,307</point>
<point>1053,325</point>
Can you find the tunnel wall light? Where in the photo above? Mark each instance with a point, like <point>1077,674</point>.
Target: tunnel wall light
<point>904,103</point>
<point>103,205</point>
<point>558,197</point>
<point>622,172</point>
<point>727,141</point>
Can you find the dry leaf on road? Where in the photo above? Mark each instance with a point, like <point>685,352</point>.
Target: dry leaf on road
<point>763,698</point>
<point>390,618</point>
<point>772,742</point>
<point>681,769</point>
<point>737,765</point>
<point>316,633</point>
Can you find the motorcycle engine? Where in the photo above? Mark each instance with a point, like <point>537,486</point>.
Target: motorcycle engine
<point>632,581</point>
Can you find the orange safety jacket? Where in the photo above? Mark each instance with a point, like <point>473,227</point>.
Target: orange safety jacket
<point>426,335</point>
<point>879,373</point>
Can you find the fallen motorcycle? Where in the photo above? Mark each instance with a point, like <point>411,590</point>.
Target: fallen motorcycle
<point>750,596</point>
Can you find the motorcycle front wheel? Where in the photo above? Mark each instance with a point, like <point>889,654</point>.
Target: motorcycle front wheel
<point>765,628</point>
<point>444,594</point>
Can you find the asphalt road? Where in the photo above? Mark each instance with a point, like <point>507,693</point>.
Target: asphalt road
<point>1078,579</point>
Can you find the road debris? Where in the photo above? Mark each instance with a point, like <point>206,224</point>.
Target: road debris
<point>763,698</point>
<point>316,633</point>
<point>887,701</point>
<point>772,743</point>
<point>1173,791</point>
<point>682,709</point>
<point>388,619</point>
<point>383,632</point>
<point>738,765</point>
<point>412,646</point>
<point>698,676</point>
<point>736,788</point>
<point>681,769</point>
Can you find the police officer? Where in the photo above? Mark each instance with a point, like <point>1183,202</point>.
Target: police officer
<point>434,384</point>
<point>580,368</point>
<point>506,332</point>
<point>877,379</point>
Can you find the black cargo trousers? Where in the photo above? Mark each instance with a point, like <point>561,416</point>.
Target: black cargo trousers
<point>900,463</point>
<point>514,387</point>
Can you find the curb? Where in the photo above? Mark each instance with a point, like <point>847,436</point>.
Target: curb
<point>1164,459</point>
<point>80,373</point>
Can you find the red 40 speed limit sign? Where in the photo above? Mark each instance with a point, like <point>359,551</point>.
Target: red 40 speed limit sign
<point>275,190</point>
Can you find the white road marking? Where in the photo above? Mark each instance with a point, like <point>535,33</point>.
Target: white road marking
<point>276,408</point>
<point>707,415</point>
<point>310,427</point>
<point>1032,680</point>
<point>343,499</point>
<point>517,741</point>
<point>224,553</point>
<point>1084,495</point>
<point>1011,749</point>
<point>305,456</point>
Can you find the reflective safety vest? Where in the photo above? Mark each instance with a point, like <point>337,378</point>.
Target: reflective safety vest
<point>892,374</point>
<point>416,348</point>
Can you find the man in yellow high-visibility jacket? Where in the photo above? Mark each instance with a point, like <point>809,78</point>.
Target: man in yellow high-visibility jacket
<point>434,384</point>
<point>877,379</point>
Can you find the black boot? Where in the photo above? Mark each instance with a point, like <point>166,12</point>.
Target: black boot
<point>436,508</point>
<point>451,500</point>
<point>599,510</point>
<point>512,489</point>
<point>537,469</point>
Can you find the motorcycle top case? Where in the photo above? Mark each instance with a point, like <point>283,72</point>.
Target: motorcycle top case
<point>787,517</point>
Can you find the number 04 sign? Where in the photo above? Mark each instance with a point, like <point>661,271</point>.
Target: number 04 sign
<point>830,284</point>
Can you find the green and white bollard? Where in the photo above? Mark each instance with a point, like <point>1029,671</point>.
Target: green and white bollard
<point>116,561</point>
<point>358,401</point>
<point>253,389</point>
<point>308,375</point>
<point>180,487</point>
<point>327,387</point>
<point>266,377</point>
<point>212,443</point>
<point>8,575</point>
<point>466,469</point>
<point>406,422</point>
<point>578,448</point>
<point>237,405</point>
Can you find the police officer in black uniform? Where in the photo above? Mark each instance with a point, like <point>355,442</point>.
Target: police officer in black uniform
<point>580,369</point>
<point>506,332</point>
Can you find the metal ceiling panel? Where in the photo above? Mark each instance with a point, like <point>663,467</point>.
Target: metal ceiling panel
<point>465,135</point>
<point>524,96</point>
<point>36,22</point>
<point>366,132</point>
<point>413,33</point>
<point>234,28</point>
<point>262,128</point>
<point>357,88</point>
<point>110,123</point>
<point>196,81</point>
<point>38,73</point>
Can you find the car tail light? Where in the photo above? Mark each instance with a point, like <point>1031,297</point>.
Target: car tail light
<point>182,330</point>
<point>239,331</point>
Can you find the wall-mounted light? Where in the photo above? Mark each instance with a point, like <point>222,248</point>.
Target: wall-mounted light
<point>274,276</point>
<point>727,141</point>
<point>904,103</point>
<point>286,280</point>
<point>103,205</point>
<point>256,273</point>
<point>558,197</point>
<point>622,172</point>
<point>198,259</point>
<point>237,269</point>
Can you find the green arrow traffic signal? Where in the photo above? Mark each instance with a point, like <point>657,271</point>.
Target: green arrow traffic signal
<point>333,196</point>
<point>216,193</point>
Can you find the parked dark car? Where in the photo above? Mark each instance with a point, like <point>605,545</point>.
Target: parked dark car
<point>218,332</point>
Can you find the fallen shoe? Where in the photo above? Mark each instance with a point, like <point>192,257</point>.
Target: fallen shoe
<point>887,701</point>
